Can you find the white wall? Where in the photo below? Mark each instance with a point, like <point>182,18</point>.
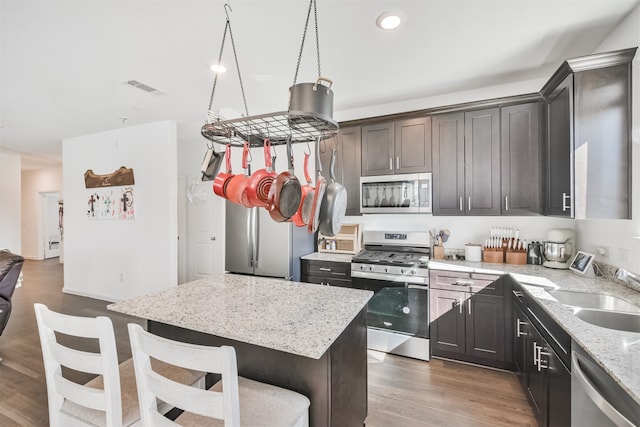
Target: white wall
<point>10,185</point>
<point>112,259</point>
<point>620,236</point>
<point>35,182</point>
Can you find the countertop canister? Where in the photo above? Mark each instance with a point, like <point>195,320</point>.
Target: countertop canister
<point>473,252</point>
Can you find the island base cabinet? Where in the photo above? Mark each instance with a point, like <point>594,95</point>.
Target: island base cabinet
<point>336,384</point>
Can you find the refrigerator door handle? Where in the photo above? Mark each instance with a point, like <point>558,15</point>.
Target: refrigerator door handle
<point>256,237</point>
<point>250,238</point>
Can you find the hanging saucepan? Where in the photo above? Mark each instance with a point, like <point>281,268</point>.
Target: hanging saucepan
<point>222,179</point>
<point>334,204</point>
<point>312,98</point>
<point>210,164</point>
<point>301,218</point>
<point>285,193</point>
<point>318,193</point>
<point>259,183</point>
<point>236,185</point>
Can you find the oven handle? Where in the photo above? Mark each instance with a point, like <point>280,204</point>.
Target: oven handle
<point>421,287</point>
<point>393,279</point>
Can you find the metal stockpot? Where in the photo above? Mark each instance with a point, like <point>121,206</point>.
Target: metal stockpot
<point>312,98</point>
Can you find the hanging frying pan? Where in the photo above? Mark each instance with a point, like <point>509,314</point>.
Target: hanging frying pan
<point>306,200</point>
<point>318,193</point>
<point>222,179</point>
<point>285,192</point>
<point>236,185</point>
<point>258,186</point>
<point>334,204</point>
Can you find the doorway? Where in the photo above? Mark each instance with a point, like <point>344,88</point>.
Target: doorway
<point>51,224</point>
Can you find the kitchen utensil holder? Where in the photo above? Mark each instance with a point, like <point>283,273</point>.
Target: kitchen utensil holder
<point>516,257</point>
<point>493,255</point>
<point>438,252</point>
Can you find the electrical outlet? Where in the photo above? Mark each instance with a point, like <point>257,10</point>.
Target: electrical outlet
<point>121,277</point>
<point>603,251</point>
<point>623,254</point>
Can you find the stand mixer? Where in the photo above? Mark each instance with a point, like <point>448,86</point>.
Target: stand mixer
<point>559,248</point>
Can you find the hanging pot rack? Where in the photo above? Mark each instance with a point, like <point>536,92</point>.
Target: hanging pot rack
<point>283,127</point>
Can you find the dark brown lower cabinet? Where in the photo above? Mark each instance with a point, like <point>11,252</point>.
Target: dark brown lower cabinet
<point>468,324</point>
<point>325,272</point>
<point>543,374</point>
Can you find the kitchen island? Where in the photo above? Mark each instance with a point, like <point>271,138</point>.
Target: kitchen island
<point>307,338</point>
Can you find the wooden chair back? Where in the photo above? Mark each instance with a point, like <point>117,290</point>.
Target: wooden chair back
<point>56,356</point>
<point>151,385</point>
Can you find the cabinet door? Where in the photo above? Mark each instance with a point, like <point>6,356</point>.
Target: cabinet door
<point>413,145</point>
<point>378,149</point>
<point>485,327</point>
<point>520,164</point>
<point>349,140</point>
<point>447,326</point>
<point>520,334</point>
<point>482,162</point>
<point>537,387</point>
<point>602,143</point>
<point>559,118</point>
<point>558,390</point>
<point>448,163</point>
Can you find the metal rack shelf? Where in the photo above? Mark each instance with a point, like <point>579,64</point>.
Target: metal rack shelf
<point>280,127</point>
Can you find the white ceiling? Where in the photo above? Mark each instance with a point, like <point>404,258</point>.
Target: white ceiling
<point>63,62</point>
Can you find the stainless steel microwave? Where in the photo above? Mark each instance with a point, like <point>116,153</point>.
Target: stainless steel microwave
<point>406,193</point>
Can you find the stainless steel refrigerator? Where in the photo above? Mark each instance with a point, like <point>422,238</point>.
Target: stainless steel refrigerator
<point>256,244</point>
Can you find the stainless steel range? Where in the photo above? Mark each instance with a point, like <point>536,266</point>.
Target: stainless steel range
<point>394,266</point>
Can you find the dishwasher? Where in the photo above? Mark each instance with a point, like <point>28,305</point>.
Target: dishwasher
<point>596,399</point>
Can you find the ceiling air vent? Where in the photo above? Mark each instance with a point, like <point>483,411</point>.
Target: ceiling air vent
<point>144,87</point>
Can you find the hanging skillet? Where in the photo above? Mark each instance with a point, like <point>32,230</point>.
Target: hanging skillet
<point>334,204</point>
<point>318,193</point>
<point>285,193</point>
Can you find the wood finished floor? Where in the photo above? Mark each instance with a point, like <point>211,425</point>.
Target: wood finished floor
<point>403,392</point>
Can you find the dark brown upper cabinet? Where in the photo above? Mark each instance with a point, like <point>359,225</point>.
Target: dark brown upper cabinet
<point>403,146</point>
<point>588,137</point>
<point>520,162</point>
<point>466,163</point>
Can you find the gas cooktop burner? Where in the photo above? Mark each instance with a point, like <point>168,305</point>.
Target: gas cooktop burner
<point>405,259</point>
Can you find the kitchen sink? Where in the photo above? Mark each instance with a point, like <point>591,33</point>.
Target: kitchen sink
<point>629,322</point>
<point>597,301</point>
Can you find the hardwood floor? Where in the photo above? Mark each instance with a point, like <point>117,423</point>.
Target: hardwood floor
<point>403,392</point>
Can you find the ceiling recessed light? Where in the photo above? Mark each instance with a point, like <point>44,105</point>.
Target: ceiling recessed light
<point>389,20</point>
<point>218,68</point>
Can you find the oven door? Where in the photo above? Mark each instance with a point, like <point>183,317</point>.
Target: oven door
<point>396,306</point>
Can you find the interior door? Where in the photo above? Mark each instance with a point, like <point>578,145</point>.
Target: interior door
<point>51,223</point>
<point>205,225</point>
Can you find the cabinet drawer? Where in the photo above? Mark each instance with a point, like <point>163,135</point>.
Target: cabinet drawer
<point>489,284</point>
<point>344,283</point>
<point>327,269</point>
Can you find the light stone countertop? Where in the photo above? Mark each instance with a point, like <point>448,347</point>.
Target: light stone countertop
<point>617,352</point>
<point>328,256</point>
<point>298,318</point>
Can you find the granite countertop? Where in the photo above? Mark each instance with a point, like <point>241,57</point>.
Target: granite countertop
<point>328,256</point>
<point>293,317</point>
<point>617,352</point>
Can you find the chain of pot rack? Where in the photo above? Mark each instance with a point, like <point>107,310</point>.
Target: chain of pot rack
<point>283,127</point>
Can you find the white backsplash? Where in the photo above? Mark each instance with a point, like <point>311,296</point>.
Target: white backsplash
<point>463,229</point>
